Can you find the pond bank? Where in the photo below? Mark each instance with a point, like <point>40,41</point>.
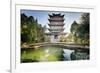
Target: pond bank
<point>62,45</point>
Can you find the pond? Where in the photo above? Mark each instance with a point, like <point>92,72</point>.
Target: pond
<point>52,53</point>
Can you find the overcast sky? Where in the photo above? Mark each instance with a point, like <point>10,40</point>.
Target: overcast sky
<point>42,17</point>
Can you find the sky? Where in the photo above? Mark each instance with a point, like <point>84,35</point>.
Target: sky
<point>42,17</point>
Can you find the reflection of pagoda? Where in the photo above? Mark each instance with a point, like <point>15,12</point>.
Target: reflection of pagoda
<point>56,23</point>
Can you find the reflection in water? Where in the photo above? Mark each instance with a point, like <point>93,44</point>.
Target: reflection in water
<point>44,54</point>
<point>77,55</point>
<point>67,54</point>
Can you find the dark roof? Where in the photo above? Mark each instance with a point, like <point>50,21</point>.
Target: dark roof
<point>53,14</point>
<point>55,20</point>
<point>56,24</point>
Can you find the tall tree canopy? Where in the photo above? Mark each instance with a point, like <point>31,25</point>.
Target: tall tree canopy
<point>31,31</point>
<point>81,30</point>
<point>74,27</point>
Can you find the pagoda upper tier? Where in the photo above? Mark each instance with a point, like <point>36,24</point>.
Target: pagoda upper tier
<point>56,23</point>
<point>56,17</point>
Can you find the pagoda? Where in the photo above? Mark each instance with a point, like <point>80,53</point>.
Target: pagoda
<point>56,27</point>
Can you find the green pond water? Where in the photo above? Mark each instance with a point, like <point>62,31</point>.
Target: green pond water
<point>46,54</point>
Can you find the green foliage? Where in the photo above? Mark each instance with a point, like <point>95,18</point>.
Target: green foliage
<point>69,38</point>
<point>83,30</point>
<point>80,31</point>
<point>62,38</point>
<point>31,31</point>
<point>73,30</point>
<point>74,27</point>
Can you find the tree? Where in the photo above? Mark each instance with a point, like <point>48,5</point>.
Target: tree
<point>24,28</point>
<point>31,31</point>
<point>80,31</point>
<point>83,30</point>
<point>74,27</point>
<point>73,30</point>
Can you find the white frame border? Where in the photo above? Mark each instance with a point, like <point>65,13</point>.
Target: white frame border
<point>51,65</point>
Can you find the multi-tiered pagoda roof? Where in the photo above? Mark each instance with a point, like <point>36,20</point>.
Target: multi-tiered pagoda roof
<point>56,23</point>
